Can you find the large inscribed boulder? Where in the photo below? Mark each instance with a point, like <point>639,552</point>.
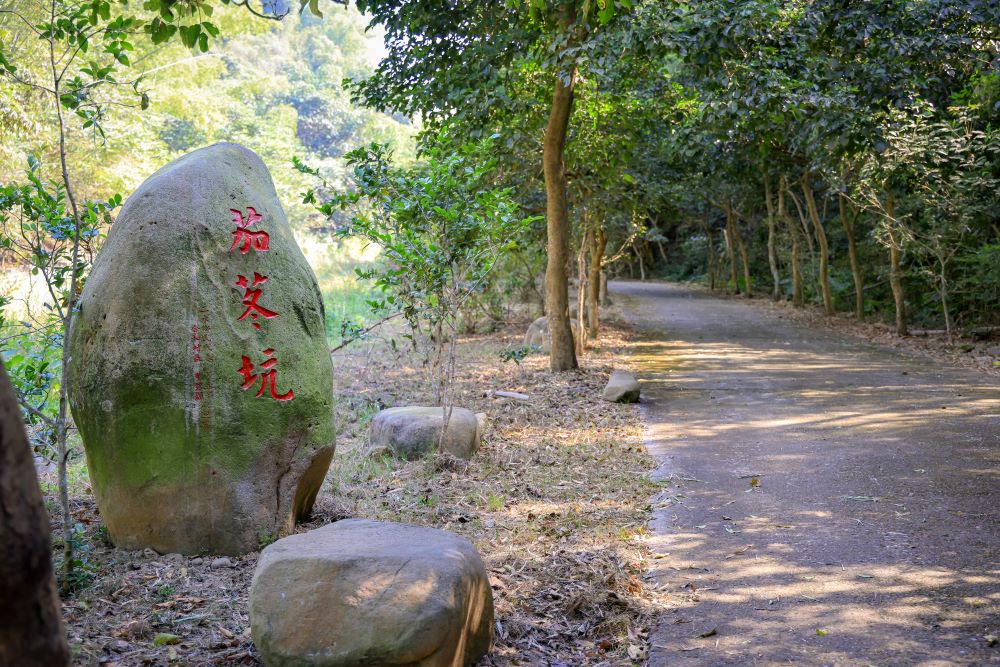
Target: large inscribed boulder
<point>360,592</point>
<point>200,380</point>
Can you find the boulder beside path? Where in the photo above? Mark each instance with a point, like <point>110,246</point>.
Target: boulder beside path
<point>411,432</point>
<point>359,592</point>
<point>622,387</point>
<point>201,380</point>
<point>538,335</point>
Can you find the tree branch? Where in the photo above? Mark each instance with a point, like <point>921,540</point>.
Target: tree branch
<point>365,331</point>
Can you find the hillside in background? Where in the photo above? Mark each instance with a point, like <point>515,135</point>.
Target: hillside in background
<point>272,86</point>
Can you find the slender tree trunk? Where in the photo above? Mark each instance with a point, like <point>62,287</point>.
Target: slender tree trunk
<point>943,293</point>
<point>563,354</point>
<point>598,241</point>
<point>31,629</point>
<point>437,368</point>
<point>852,252</point>
<point>803,230</point>
<point>535,294</point>
<point>642,265</point>
<point>710,263</point>
<point>793,231</point>
<point>62,421</point>
<point>582,286</point>
<point>942,257</point>
<point>731,248</point>
<point>744,258</point>
<point>824,249</point>
<point>772,254</point>
<point>895,272</point>
<point>604,288</point>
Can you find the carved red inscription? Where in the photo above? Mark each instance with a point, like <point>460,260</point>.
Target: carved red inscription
<point>250,297</point>
<point>196,347</point>
<point>243,236</point>
<point>267,372</point>
<point>267,378</point>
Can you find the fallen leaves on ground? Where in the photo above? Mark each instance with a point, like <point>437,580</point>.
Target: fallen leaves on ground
<point>556,501</point>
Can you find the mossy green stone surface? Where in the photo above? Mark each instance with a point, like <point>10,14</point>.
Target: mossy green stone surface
<point>182,458</point>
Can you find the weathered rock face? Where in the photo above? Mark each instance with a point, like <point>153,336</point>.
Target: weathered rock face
<point>362,592</point>
<point>538,334</point>
<point>622,387</point>
<point>412,432</point>
<point>201,381</point>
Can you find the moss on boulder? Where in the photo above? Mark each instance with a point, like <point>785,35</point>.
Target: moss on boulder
<point>198,294</point>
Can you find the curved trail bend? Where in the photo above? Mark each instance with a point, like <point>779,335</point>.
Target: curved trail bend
<point>871,536</point>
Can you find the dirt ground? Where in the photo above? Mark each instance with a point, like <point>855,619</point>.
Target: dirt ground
<point>828,500</point>
<point>556,501</point>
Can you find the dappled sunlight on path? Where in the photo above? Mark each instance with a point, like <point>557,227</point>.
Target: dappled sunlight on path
<point>824,501</point>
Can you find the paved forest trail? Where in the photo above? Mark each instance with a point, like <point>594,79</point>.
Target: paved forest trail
<point>871,536</point>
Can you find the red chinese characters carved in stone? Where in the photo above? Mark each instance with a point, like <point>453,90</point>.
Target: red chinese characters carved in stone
<point>250,297</point>
<point>196,347</point>
<point>267,378</point>
<point>243,237</point>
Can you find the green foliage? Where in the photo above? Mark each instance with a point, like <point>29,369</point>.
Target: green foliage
<point>440,228</point>
<point>889,105</point>
<point>517,354</point>
<point>81,570</point>
<point>181,134</point>
<point>978,283</point>
<point>39,231</point>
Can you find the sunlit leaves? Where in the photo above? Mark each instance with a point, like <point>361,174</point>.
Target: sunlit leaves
<point>440,227</point>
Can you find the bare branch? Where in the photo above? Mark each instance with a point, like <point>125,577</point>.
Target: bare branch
<point>49,421</point>
<point>365,331</point>
<point>23,19</point>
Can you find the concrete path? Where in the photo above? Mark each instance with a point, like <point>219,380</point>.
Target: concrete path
<point>825,501</point>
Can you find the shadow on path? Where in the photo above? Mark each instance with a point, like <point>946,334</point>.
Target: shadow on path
<point>824,501</point>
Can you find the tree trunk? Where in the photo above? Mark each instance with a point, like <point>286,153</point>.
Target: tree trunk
<point>710,263</point>
<point>563,355</point>
<point>61,425</point>
<point>598,241</point>
<point>604,288</point>
<point>793,231</point>
<point>943,293</point>
<point>824,249</point>
<point>895,272</point>
<point>803,228</point>
<point>582,286</point>
<point>531,291</point>
<point>747,289</point>
<point>852,252</point>
<point>772,254</point>
<point>642,265</point>
<point>731,248</point>
<point>31,630</point>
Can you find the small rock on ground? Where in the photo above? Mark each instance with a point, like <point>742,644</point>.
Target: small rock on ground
<point>413,431</point>
<point>622,388</point>
<point>359,592</point>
